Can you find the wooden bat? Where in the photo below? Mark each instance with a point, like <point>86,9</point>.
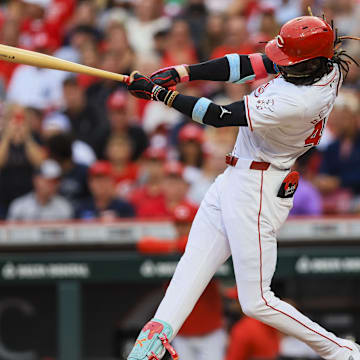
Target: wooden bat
<point>21,56</point>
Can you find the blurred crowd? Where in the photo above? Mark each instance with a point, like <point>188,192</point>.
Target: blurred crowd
<point>76,146</point>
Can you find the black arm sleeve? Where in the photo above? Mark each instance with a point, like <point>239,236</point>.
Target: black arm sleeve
<point>229,115</point>
<point>216,115</point>
<point>185,104</point>
<point>219,69</point>
<point>214,70</point>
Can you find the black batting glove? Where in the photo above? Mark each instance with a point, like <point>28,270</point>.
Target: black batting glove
<point>140,86</point>
<point>170,76</point>
<point>166,77</point>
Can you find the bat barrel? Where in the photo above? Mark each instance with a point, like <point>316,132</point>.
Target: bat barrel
<point>27,57</point>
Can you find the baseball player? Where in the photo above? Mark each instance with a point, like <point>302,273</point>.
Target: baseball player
<point>248,203</point>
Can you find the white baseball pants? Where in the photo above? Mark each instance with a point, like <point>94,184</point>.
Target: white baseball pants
<point>240,215</point>
<point>207,347</point>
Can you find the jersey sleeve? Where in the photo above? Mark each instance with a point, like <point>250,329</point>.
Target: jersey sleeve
<point>272,109</point>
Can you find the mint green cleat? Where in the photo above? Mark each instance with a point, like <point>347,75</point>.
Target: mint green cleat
<point>153,342</point>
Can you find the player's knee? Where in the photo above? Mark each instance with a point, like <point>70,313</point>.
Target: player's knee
<point>253,309</point>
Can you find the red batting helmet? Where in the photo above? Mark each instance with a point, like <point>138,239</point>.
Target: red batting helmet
<point>301,39</point>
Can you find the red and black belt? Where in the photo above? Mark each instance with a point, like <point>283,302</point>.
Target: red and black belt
<point>255,165</point>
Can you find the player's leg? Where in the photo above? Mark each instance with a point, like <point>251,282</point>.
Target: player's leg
<point>252,215</point>
<point>207,249</point>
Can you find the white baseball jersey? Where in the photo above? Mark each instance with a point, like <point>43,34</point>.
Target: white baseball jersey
<point>284,119</point>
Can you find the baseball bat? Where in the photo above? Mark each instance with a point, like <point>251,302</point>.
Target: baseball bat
<point>27,57</point>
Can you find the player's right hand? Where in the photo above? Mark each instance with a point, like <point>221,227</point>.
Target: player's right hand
<point>170,76</point>
<point>140,86</point>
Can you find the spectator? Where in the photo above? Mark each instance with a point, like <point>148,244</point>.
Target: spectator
<point>353,79</point>
<point>44,18</point>
<point>251,339</point>
<point>9,35</point>
<point>57,17</point>
<point>43,203</point>
<point>77,39</point>
<point>180,49</point>
<point>268,25</point>
<point>34,27</point>
<point>288,10</point>
<point>236,39</point>
<point>116,43</point>
<point>116,14</point>
<point>34,118</point>
<point>89,57</point>
<point>32,86</point>
<point>103,203</point>
<point>98,93</point>
<point>221,137</point>
<point>36,87</point>
<point>201,336</point>
<point>87,123</point>
<point>307,199</point>
<point>161,39</point>
<point>175,187</point>
<point>162,123</point>
<point>84,15</point>
<point>144,25</point>
<point>159,119</point>
<point>263,26</point>
<point>125,172</point>
<point>346,14</point>
<point>121,125</point>
<point>339,170</point>
<point>73,184</point>
<point>20,153</point>
<point>57,123</point>
<point>195,14</point>
<point>191,139</point>
<point>116,40</point>
<point>213,166</point>
<point>243,7</point>
<point>173,191</point>
<point>148,198</point>
<point>214,35</point>
<point>216,6</point>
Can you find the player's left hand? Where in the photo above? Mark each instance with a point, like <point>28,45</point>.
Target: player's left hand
<point>140,86</point>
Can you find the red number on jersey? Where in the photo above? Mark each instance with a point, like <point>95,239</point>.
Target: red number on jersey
<point>315,137</point>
